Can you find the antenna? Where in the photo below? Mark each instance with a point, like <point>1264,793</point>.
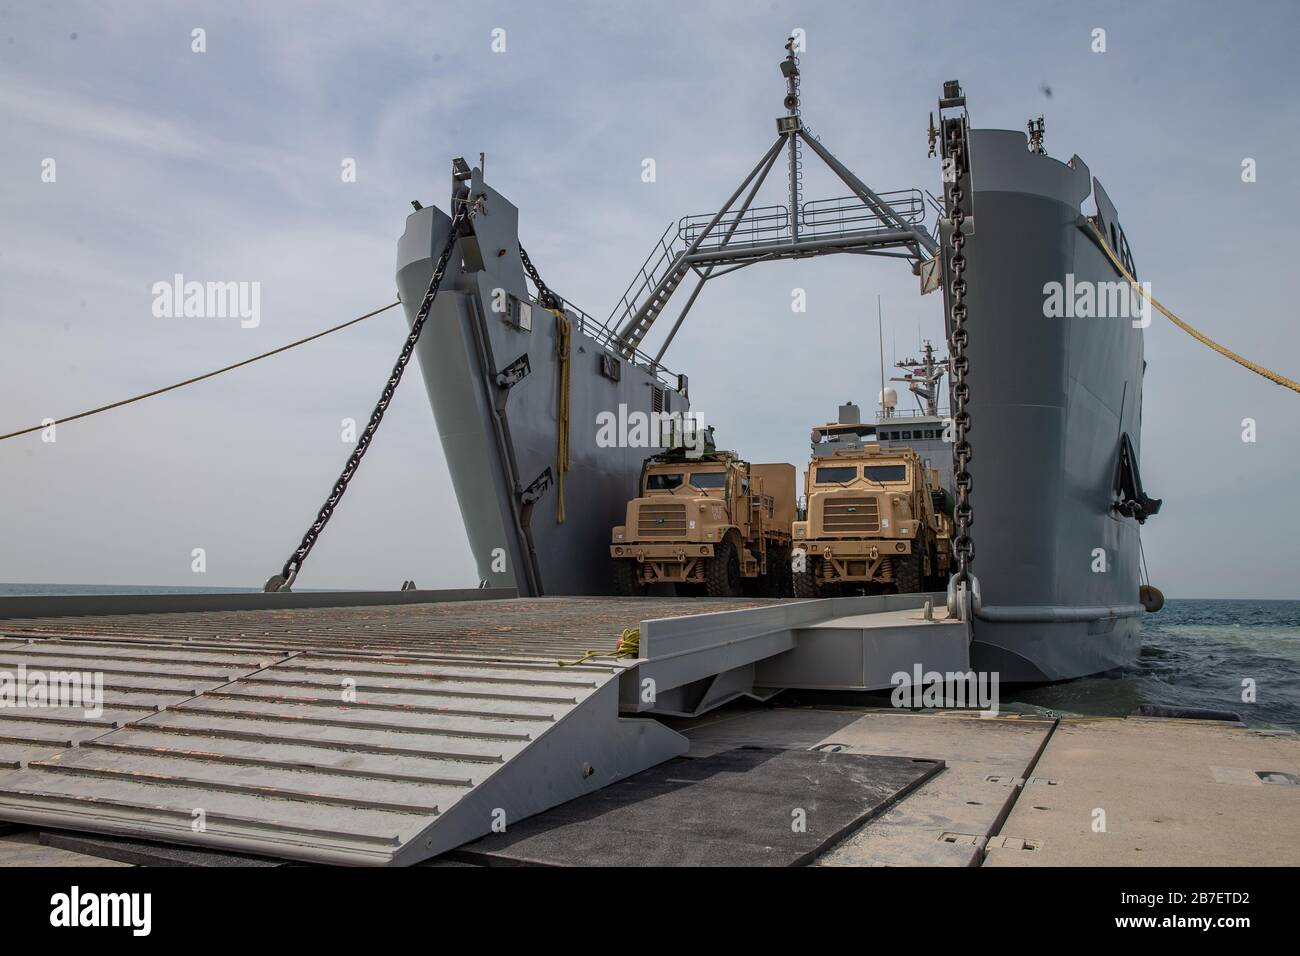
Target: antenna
<point>1036,130</point>
<point>790,70</point>
<point>880,334</point>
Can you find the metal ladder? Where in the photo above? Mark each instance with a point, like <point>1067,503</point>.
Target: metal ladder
<point>649,291</point>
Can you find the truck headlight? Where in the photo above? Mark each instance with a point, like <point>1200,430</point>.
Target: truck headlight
<point>801,532</point>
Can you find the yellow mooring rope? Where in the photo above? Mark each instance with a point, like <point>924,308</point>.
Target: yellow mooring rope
<point>563,331</point>
<point>629,645</point>
<point>1199,336</point>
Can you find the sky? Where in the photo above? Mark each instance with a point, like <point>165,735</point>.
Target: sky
<point>227,165</point>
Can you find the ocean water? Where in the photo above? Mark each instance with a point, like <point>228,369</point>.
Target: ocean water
<point>1195,653</point>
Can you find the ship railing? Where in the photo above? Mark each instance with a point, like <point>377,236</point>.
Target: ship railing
<point>897,419</point>
<point>662,256</point>
<point>845,215</point>
<point>607,338</point>
<point>753,227</point>
<point>818,219</point>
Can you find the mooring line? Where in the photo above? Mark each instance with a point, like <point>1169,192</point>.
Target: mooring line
<point>197,378</point>
<point>1275,377</point>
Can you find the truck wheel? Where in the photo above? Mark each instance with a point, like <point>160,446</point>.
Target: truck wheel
<point>787,575</point>
<point>775,582</point>
<point>936,580</point>
<point>907,572</point>
<point>627,583</point>
<point>722,572</point>
<point>804,583</point>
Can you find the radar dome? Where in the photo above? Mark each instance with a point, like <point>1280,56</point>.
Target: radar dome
<point>888,398</point>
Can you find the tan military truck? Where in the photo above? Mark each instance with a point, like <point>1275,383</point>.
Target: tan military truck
<point>875,519</point>
<point>714,523</point>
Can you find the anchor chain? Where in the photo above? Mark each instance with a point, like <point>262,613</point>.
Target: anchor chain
<point>963,588</point>
<point>284,580</point>
<point>545,297</point>
<point>964,512</point>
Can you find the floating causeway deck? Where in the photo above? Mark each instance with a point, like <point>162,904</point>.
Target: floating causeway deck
<point>392,733</point>
<point>372,734</point>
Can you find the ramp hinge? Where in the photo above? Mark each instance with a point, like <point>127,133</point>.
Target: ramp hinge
<point>538,488</point>
<point>513,373</point>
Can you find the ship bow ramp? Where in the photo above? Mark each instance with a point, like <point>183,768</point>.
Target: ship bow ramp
<point>379,735</point>
<point>504,389</point>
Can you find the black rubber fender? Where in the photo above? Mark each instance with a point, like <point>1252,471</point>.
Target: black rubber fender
<point>1152,598</point>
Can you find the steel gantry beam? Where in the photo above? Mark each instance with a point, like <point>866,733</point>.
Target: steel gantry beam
<point>875,227</point>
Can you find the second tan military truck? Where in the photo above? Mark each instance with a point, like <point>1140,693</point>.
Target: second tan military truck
<point>714,524</point>
<point>875,519</point>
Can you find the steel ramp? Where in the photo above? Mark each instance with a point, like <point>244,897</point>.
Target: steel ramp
<point>389,734</point>
<point>349,735</point>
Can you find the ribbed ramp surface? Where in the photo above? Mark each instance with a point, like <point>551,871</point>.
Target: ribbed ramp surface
<point>350,735</point>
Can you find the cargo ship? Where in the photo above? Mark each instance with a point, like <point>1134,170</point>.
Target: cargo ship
<point>518,383</point>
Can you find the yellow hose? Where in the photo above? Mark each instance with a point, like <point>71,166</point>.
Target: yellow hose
<point>629,645</point>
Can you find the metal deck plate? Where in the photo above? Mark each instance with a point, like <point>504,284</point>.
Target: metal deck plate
<point>352,735</point>
<point>751,806</point>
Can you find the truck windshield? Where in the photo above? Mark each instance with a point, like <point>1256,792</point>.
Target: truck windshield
<point>836,474</point>
<point>886,473</point>
<point>708,479</point>
<point>663,482</point>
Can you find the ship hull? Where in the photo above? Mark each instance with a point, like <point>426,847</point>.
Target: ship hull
<point>1051,397</point>
<point>494,383</point>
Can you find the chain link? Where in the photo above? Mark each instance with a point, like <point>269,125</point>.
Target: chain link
<point>545,297</point>
<point>963,512</point>
<point>283,580</point>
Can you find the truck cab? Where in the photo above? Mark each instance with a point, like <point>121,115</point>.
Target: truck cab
<point>713,522</point>
<point>874,519</point>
